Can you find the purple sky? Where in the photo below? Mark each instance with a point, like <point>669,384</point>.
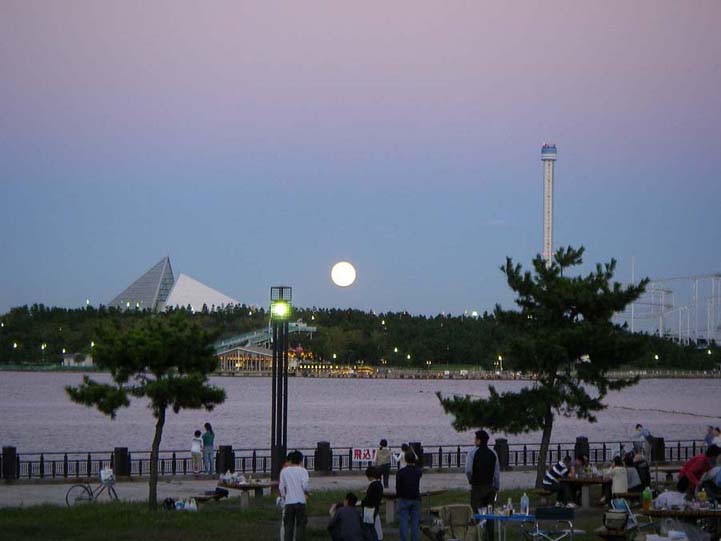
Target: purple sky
<point>404,136</point>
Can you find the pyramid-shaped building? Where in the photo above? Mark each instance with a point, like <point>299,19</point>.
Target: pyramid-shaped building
<point>158,289</point>
<point>190,292</point>
<point>150,291</point>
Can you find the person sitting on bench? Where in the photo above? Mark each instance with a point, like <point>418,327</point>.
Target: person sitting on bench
<point>552,480</point>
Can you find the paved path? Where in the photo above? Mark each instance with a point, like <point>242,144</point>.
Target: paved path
<point>43,493</point>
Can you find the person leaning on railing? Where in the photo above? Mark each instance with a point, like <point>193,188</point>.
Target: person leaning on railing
<point>383,461</point>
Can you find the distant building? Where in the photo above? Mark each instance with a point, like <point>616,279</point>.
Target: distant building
<point>158,290</point>
<point>248,359</point>
<point>77,360</point>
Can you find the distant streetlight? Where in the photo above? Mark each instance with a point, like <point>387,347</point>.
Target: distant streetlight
<point>656,356</point>
<point>92,344</point>
<point>2,323</point>
<point>474,314</point>
<point>63,351</point>
<point>395,350</point>
<point>428,364</point>
<point>708,352</point>
<point>335,356</point>
<point>15,345</point>
<point>408,356</point>
<point>383,322</point>
<point>87,302</point>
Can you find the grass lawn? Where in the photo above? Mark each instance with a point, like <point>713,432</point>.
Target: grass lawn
<point>216,521</point>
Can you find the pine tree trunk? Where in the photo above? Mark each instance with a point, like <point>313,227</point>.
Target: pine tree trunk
<point>154,453</point>
<point>545,444</point>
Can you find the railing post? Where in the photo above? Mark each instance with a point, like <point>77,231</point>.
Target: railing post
<point>253,459</point>
<point>42,465</point>
<point>10,463</point>
<point>77,467</point>
<point>65,465</point>
<point>350,459</point>
<point>175,466</point>
<point>458,456</point>
<point>89,466</point>
<point>525,455</point>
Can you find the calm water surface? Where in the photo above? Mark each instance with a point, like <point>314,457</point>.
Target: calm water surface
<point>36,415</point>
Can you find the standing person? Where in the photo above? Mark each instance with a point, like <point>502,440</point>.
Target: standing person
<point>717,437</point>
<point>552,481</point>
<point>408,480</point>
<point>293,487</point>
<point>383,461</point>
<point>710,435</point>
<point>196,452</point>
<point>691,473</point>
<point>208,441</point>
<point>371,505</point>
<point>642,440</point>
<point>405,448</point>
<point>484,475</point>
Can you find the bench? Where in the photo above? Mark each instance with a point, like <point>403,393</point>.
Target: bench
<point>543,494</point>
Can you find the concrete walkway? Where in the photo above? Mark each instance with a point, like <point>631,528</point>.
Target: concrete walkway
<point>25,494</point>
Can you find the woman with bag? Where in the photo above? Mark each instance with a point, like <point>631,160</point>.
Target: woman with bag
<point>371,505</point>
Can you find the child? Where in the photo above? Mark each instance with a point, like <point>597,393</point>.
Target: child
<point>196,452</point>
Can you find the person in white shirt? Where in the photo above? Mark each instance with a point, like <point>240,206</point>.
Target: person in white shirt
<point>196,452</point>
<point>294,487</point>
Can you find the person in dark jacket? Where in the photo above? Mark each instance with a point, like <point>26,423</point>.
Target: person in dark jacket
<point>372,500</point>
<point>484,475</point>
<point>408,481</point>
<point>346,524</point>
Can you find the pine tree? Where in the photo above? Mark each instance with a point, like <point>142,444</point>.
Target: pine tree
<point>563,335</point>
<point>166,359</point>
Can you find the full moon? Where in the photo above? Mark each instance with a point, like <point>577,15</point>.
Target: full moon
<point>343,274</point>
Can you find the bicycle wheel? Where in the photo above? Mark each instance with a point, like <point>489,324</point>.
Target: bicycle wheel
<point>78,494</point>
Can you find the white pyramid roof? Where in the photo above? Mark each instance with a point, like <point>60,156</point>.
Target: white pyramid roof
<point>188,291</point>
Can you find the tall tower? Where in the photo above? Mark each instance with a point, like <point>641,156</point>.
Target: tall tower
<point>548,158</point>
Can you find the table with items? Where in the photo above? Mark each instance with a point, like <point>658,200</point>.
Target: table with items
<point>502,520</point>
<point>585,483</point>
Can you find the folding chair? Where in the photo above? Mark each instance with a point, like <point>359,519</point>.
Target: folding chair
<point>620,504</point>
<point>551,524</point>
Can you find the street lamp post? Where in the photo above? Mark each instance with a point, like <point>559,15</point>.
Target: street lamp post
<point>280,308</point>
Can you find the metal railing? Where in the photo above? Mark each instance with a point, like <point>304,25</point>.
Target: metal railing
<point>59,465</point>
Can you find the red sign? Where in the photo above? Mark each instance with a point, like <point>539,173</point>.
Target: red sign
<point>363,454</point>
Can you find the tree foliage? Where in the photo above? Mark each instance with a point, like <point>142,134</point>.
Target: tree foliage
<point>563,334</point>
<point>165,359</point>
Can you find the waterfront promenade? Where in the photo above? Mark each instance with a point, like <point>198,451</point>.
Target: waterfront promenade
<point>37,492</point>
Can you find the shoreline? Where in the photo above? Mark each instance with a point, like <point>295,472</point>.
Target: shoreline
<point>450,374</point>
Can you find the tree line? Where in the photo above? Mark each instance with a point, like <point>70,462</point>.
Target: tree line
<point>38,334</point>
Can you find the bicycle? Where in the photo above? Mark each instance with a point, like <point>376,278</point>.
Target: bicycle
<point>84,493</point>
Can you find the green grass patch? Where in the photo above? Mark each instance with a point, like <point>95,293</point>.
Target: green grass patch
<point>214,521</point>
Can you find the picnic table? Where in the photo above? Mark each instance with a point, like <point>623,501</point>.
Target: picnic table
<point>689,515</point>
<point>257,487</point>
<point>585,483</point>
<point>390,497</point>
<point>503,521</point>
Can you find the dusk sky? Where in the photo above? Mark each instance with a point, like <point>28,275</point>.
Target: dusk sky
<point>256,143</point>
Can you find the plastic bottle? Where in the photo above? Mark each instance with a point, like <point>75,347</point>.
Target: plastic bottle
<point>702,496</point>
<point>646,497</point>
<point>509,507</point>
<point>525,504</point>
